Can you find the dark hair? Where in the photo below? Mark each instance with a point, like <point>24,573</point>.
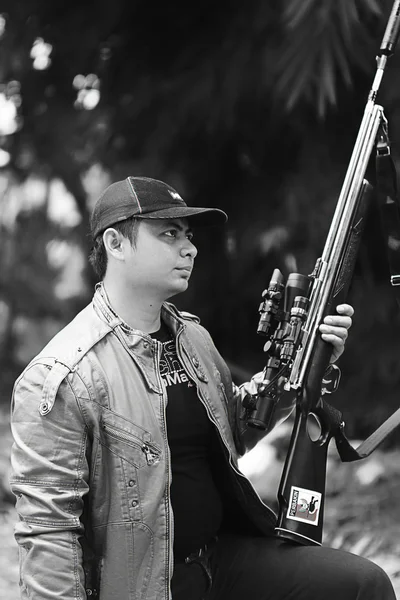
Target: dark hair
<point>98,253</point>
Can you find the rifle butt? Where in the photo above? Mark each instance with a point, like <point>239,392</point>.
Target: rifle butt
<point>301,493</point>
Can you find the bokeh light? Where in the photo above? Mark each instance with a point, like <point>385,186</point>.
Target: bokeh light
<point>88,88</point>
<point>40,53</point>
<point>8,115</point>
<point>2,25</point>
<point>5,158</point>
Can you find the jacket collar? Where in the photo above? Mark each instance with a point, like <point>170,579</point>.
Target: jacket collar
<point>169,314</point>
<point>137,342</point>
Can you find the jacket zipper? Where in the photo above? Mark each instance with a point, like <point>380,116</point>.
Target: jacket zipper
<point>151,453</point>
<point>169,523</point>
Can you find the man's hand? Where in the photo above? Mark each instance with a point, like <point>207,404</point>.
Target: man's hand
<point>335,329</point>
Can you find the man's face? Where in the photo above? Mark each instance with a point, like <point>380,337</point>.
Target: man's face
<point>163,257</point>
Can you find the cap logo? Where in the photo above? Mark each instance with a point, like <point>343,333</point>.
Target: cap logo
<point>175,195</point>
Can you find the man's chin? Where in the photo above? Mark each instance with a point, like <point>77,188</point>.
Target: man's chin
<point>180,287</point>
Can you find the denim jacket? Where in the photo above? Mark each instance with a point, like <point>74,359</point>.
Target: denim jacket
<point>90,461</point>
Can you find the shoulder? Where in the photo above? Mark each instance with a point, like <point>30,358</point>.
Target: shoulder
<point>61,356</point>
<point>70,345</point>
<point>183,314</point>
<point>196,331</point>
<point>198,338</point>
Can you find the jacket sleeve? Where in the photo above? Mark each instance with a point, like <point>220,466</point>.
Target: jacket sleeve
<point>49,476</point>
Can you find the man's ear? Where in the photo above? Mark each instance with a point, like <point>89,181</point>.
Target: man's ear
<point>113,243</point>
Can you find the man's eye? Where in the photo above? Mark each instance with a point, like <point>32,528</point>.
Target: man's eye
<point>171,233</point>
<point>190,237</point>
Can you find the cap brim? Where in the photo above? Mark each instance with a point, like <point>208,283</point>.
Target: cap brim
<point>200,217</point>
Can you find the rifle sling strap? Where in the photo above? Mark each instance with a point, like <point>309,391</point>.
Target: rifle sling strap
<point>388,206</point>
<point>390,220</point>
<point>346,451</point>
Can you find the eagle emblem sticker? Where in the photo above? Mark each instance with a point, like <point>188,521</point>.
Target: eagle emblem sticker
<point>304,505</point>
<point>175,195</point>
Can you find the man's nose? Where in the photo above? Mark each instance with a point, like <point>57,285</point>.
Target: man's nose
<point>189,249</point>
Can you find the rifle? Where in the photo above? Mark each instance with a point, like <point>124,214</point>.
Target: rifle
<point>297,357</point>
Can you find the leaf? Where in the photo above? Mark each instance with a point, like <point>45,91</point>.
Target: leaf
<point>296,11</point>
<point>374,7</point>
<point>327,89</point>
<point>318,49</point>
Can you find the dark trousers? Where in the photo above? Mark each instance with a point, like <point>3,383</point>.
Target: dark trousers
<point>255,568</point>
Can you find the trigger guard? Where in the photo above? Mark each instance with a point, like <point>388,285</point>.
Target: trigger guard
<point>331,379</point>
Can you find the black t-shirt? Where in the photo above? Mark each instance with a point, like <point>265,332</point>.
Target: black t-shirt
<point>195,499</point>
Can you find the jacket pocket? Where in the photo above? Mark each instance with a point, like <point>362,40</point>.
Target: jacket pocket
<point>128,441</point>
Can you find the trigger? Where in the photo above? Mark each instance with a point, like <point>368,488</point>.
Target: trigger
<point>331,379</point>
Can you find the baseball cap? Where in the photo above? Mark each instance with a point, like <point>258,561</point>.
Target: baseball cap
<point>146,198</point>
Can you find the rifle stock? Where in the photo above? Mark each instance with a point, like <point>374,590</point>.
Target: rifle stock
<point>303,478</point>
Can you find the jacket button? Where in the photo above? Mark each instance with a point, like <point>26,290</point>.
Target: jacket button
<point>131,483</point>
<point>145,345</point>
<point>134,503</point>
<point>88,592</point>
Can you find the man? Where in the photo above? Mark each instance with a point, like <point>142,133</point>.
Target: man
<point>127,432</point>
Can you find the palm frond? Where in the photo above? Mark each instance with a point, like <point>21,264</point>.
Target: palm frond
<point>296,10</point>
<point>319,47</point>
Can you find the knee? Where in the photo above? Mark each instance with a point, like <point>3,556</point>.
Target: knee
<point>352,577</point>
<point>373,583</point>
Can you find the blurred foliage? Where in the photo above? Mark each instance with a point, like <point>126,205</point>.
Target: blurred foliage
<point>337,39</point>
<point>252,107</point>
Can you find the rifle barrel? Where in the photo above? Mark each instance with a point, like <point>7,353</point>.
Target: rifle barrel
<point>391,34</point>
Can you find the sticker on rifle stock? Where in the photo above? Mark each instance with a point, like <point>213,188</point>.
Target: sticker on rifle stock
<point>304,505</point>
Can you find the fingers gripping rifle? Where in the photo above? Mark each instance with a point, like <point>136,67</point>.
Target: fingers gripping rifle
<point>297,357</point>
